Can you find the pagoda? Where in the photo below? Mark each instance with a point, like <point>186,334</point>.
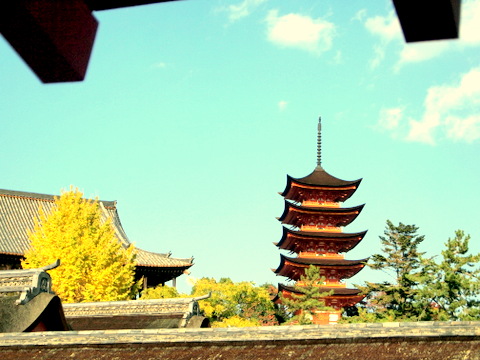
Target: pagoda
<point>313,222</point>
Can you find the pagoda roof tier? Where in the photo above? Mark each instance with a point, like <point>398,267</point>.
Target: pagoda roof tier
<point>298,215</point>
<point>299,189</point>
<point>294,268</point>
<point>297,241</point>
<point>340,298</point>
<point>337,291</point>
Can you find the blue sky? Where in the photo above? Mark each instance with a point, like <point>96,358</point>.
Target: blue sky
<point>193,113</point>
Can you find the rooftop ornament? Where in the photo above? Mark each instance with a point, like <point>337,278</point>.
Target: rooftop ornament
<point>28,282</point>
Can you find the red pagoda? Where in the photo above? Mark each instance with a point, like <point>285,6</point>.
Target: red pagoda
<point>313,220</point>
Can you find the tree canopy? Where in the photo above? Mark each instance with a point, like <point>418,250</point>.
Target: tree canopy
<point>161,292</point>
<point>421,288</point>
<point>94,265</point>
<point>453,283</point>
<point>235,304</point>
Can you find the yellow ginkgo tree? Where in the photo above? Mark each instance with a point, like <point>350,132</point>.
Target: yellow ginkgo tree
<point>94,264</point>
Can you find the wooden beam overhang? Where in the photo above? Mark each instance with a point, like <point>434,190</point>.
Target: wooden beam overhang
<point>55,38</point>
<point>428,19</point>
<point>158,275</point>
<point>116,4</point>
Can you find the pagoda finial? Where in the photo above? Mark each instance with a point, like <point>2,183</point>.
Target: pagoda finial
<point>319,143</point>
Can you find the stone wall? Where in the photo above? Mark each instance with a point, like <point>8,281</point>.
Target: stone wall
<point>420,340</point>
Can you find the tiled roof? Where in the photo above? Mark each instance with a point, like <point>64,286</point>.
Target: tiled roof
<point>147,258</point>
<point>44,307</point>
<point>320,177</point>
<point>136,314</point>
<point>18,211</point>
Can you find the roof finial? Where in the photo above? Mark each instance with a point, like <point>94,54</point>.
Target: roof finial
<point>319,143</point>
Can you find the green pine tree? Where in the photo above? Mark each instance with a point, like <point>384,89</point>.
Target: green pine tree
<point>398,299</point>
<point>454,283</point>
<point>303,306</point>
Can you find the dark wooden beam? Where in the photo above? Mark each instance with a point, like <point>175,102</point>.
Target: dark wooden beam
<point>55,38</point>
<point>423,20</point>
<point>115,4</point>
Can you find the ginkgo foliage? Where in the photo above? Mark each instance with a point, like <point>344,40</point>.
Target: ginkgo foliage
<point>235,304</point>
<point>94,265</point>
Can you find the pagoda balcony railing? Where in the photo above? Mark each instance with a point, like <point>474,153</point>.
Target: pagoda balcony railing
<point>315,203</point>
<point>328,283</point>
<point>309,254</point>
<point>314,228</point>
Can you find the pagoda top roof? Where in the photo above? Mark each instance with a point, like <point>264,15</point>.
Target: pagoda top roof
<point>319,177</point>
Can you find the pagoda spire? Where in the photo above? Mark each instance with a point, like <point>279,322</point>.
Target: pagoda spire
<point>319,144</point>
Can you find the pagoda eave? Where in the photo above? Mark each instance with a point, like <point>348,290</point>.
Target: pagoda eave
<point>339,297</point>
<point>321,261</point>
<point>296,215</point>
<point>336,291</point>
<point>297,241</point>
<point>294,268</point>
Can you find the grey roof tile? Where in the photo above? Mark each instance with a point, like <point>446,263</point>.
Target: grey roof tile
<point>18,211</point>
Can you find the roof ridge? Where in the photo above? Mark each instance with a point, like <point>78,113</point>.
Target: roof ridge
<point>46,197</point>
<point>26,194</point>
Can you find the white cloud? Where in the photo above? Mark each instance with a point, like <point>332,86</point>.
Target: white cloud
<point>463,129</point>
<point>390,118</point>
<point>338,58</point>
<point>451,111</point>
<point>300,31</point>
<point>360,15</point>
<point>469,29</point>
<point>282,105</point>
<point>243,9</point>
<point>423,130</point>
<point>421,51</point>
<point>387,29</point>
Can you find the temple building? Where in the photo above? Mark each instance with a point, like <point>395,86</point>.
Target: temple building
<point>313,222</point>
<point>19,209</point>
